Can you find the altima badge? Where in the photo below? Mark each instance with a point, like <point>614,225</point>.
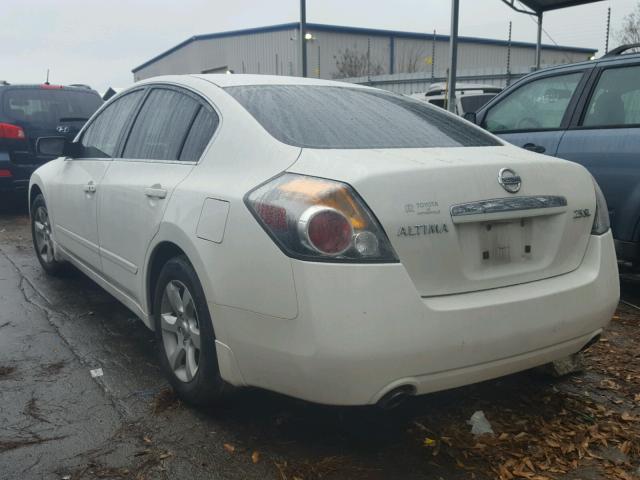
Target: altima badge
<point>509,180</point>
<point>420,230</point>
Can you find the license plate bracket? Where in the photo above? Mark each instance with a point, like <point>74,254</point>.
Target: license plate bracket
<point>505,241</point>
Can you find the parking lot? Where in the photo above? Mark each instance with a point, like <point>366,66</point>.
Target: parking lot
<point>58,421</point>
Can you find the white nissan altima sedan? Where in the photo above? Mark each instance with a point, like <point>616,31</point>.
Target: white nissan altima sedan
<point>332,242</point>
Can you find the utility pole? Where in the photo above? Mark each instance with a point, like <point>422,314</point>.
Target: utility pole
<point>453,55</point>
<point>606,46</point>
<point>369,59</point>
<point>303,40</point>
<point>539,43</point>
<point>433,57</point>
<point>509,56</point>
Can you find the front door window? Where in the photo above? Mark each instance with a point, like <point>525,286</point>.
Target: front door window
<point>538,105</point>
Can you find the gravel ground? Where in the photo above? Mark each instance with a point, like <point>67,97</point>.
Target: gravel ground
<point>58,422</point>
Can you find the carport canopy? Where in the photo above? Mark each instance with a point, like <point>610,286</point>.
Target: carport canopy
<point>536,8</point>
<point>541,6</point>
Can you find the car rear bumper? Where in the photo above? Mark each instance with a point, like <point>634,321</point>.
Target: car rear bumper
<point>20,174</point>
<point>11,185</point>
<point>363,330</point>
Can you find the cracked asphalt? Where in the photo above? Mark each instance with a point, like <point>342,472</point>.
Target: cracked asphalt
<point>58,422</point>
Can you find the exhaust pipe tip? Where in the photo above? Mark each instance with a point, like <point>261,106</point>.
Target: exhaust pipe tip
<point>396,397</point>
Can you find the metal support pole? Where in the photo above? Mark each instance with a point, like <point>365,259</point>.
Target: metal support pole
<point>433,57</point>
<point>539,43</point>
<point>509,56</point>
<point>303,41</point>
<point>606,46</point>
<point>453,55</point>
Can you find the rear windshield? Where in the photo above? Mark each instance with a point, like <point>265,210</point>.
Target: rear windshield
<point>473,103</point>
<point>338,117</point>
<point>41,106</point>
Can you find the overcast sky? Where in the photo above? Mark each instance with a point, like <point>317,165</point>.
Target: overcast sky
<point>98,43</point>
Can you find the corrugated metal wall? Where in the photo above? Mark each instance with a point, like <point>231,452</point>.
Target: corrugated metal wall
<point>339,54</point>
<point>273,53</point>
<point>407,83</point>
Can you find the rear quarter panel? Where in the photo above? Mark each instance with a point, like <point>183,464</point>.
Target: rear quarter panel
<point>246,270</point>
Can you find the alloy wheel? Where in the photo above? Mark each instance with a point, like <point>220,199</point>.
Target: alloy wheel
<point>180,330</point>
<point>42,229</point>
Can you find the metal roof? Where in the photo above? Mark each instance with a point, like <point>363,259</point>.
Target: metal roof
<point>361,31</point>
<point>540,6</point>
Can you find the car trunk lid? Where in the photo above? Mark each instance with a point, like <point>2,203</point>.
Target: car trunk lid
<point>454,227</point>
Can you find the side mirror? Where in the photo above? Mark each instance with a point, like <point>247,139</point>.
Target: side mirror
<point>471,117</point>
<point>57,147</point>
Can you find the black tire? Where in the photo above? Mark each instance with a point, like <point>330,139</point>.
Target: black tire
<point>41,236</point>
<point>206,386</point>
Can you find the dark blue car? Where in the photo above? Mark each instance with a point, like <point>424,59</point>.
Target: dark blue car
<point>31,111</point>
<point>588,113</point>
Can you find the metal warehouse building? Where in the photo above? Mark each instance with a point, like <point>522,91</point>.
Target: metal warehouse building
<point>348,52</point>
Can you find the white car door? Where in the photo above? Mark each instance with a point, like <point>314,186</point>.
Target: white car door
<point>74,196</point>
<point>165,141</point>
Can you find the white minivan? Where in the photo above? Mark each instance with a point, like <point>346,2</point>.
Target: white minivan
<point>470,97</point>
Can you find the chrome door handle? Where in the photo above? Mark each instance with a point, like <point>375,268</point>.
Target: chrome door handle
<point>155,192</point>
<point>90,187</point>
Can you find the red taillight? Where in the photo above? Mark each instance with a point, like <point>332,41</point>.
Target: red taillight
<point>326,230</point>
<point>48,86</point>
<point>13,132</point>
<point>274,217</point>
<point>5,173</point>
<point>318,219</point>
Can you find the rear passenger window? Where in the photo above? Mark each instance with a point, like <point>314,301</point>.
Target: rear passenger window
<point>201,132</point>
<point>161,126</point>
<point>100,139</point>
<point>616,99</point>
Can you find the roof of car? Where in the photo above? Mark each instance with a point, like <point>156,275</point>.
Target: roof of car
<point>597,61</point>
<point>44,86</point>
<point>236,80</point>
<point>628,56</point>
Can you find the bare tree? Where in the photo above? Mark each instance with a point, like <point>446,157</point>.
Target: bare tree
<point>351,63</point>
<point>412,59</point>
<point>630,31</point>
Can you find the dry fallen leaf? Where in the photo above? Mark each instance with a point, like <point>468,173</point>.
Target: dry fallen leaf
<point>229,448</point>
<point>429,442</point>
<point>627,417</point>
<point>255,457</point>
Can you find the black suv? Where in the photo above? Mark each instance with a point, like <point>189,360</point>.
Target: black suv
<point>31,111</point>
